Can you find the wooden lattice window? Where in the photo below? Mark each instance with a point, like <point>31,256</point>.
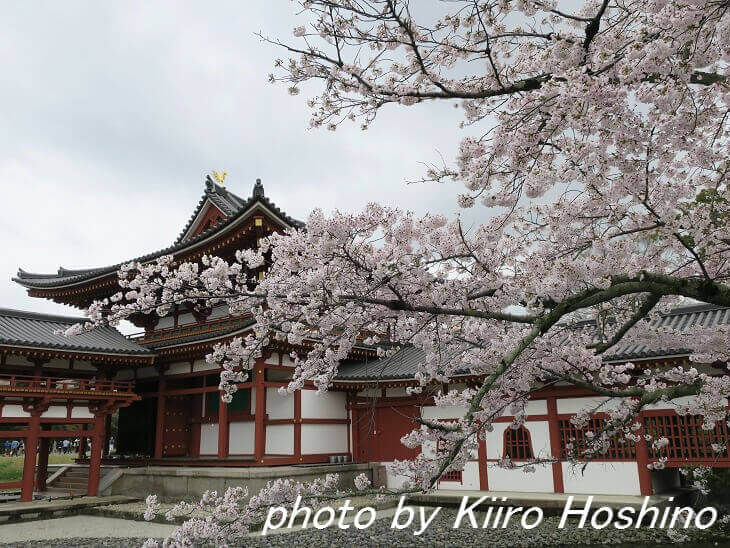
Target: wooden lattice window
<point>453,475</point>
<point>517,444</point>
<point>618,449</point>
<point>687,438</point>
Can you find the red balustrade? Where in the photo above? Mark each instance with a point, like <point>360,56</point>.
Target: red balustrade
<point>182,330</point>
<point>40,384</point>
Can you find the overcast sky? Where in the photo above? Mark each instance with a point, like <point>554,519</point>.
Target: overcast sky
<point>112,113</point>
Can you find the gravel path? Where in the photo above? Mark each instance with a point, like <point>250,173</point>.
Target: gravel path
<point>439,534</point>
<point>65,531</point>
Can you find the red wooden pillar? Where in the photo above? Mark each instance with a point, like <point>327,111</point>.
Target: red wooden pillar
<point>260,414</point>
<point>42,469</point>
<point>298,425</point>
<point>31,449</point>
<point>223,435</point>
<point>355,434</point>
<point>160,424</point>
<point>555,445</point>
<point>349,426</point>
<point>642,461</point>
<point>82,444</point>
<point>197,414</point>
<point>97,447</point>
<point>482,461</point>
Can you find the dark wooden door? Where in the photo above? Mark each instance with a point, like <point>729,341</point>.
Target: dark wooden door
<point>177,426</point>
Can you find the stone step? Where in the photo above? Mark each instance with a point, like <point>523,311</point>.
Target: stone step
<point>65,490</point>
<point>76,475</point>
<point>63,484</point>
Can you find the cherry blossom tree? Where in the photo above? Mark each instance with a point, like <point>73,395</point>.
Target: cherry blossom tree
<point>596,140</point>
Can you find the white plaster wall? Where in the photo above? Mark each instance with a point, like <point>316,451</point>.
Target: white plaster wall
<point>469,477</point>
<point>57,363</point>
<point>13,359</point>
<point>219,312</point>
<point>84,365</point>
<point>286,360</point>
<point>278,406</point>
<point>393,481</point>
<point>539,435</point>
<point>146,372</point>
<point>573,405</point>
<point>433,412</point>
<point>186,318</point>
<point>14,411</point>
<point>241,437</point>
<point>280,439</point>
<point>330,405</point>
<point>605,478</point>
<point>81,413</point>
<point>202,365</point>
<point>539,481</point>
<point>324,438</point>
<point>441,413</point>
<point>125,375</point>
<point>273,359</point>
<point>55,412</point>
<point>208,439</point>
<point>164,323</point>
<point>178,368</point>
<point>398,392</point>
<point>253,400</point>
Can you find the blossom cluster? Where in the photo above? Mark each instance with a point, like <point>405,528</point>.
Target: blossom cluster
<point>598,143</point>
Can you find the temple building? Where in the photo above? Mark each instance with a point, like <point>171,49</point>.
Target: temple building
<point>169,411</point>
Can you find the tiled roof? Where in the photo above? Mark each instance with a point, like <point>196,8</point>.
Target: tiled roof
<point>66,276</point>
<point>704,315</point>
<point>30,329</point>
<point>401,365</point>
<point>404,364</point>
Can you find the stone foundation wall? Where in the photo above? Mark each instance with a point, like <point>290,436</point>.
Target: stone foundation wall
<point>176,483</point>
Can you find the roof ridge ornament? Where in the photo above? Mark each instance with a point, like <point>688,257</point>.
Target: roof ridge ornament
<point>258,189</point>
<point>209,184</point>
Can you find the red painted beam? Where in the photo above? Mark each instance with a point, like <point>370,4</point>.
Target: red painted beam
<point>555,445</point>
<point>260,413</point>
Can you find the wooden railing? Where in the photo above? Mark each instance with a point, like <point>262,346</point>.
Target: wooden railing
<point>40,384</point>
<point>184,330</point>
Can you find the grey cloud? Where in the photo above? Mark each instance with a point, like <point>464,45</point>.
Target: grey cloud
<point>113,111</point>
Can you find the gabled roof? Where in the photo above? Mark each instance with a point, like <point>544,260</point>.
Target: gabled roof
<point>404,363</point>
<point>64,276</point>
<point>227,202</point>
<point>33,330</point>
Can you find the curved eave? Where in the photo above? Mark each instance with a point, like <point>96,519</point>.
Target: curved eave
<point>41,284</point>
<point>184,345</point>
<point>76,354</point>
<point>392,381</point>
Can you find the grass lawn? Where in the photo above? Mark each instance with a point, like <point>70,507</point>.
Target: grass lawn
<point>11,468</point>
